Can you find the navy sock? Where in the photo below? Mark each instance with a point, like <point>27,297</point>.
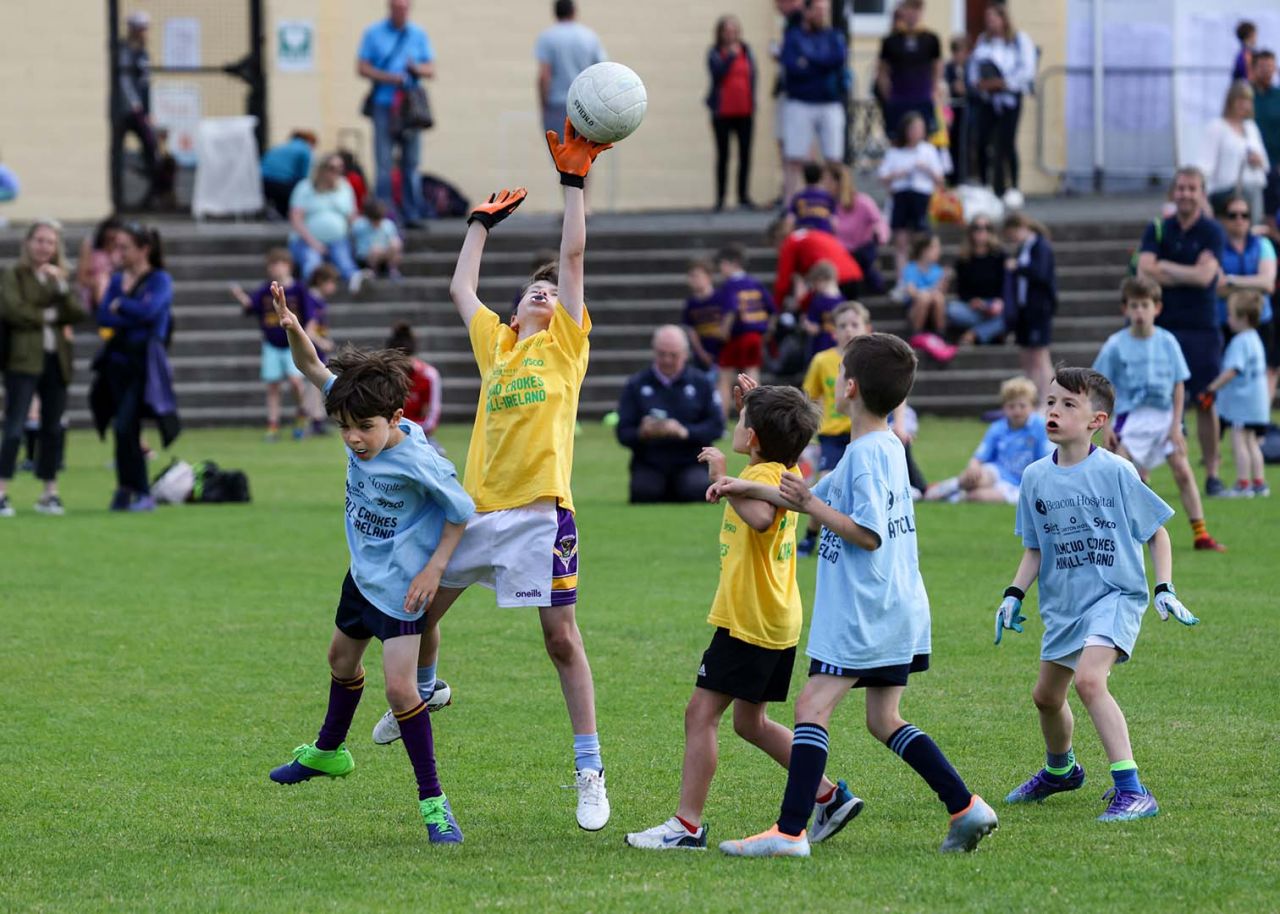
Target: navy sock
<point>1125,776</point>
<point>915,748</point>
<point>1060,764</point>
<point>415,730</point>
<point>344,697</point>
<point>804,774</point>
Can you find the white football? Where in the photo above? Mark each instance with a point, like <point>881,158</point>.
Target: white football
<point>606,102</point>
<point>442,696</point>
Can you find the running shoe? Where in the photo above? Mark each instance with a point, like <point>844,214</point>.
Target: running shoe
<point>969,826</point>
<point>1126,805</point>
<point>771,843</point>
<point>1042,785</point>
<point>593,800</point>
<point>6,509</point>
<point>835,814</point>
<point>309,762</point>
<point>1261,490</point>
<point>671,835</point>
<point>1213,487</point>
<point>1207,543</point>
<point>50,504</point>
<point>437,815</point>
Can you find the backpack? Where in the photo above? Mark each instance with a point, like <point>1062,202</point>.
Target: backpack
<point>443,199</point>
<point>214,485</point>
<point>1158,225</point>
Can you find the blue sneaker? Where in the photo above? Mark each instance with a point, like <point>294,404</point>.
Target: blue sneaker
<point>1214,488</point>
<point>120,500</point>
<point>970,826</point>
<point>805,547</point>
<point>442,827</point>
<point>1043,785</point>
<point>309,762</point>
<point>1126,805</point>
<point>835,814</point>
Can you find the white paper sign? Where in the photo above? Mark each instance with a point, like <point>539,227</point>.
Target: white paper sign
<point>181,44</point>
<point>177,107</point>
<point>296,45</point>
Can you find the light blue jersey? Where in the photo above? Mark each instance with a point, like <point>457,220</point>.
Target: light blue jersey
<point>397,506</point>
<point>870,609</point>
<point>1012,450</point>
<point>1243,400</point>
<point>1143,370</point>
<point>1090,522</point>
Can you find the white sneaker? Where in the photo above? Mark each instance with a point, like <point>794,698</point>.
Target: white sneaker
<point>357,281</point>
<point>593,802</point>
<point>671,835</point>
<point>6,509</point>
<point>387,729</point>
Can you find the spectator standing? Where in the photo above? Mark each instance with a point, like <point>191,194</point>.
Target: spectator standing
<point>909,69</point>
<point>860,226</point>
<point>1232,157</point>
<point>133,96</point>
<point>37,304</point>
<point>956,76</point>
<point>977,311</point>
<point>1266,114</point>
<point>1247,35</point>
<point>1249,264</point>
<point>563,51</point>
<point>394,54</point>
<point>1003,70</point>
<point>321,211</point>
<point>97,261</point>
<point>1031,296</point>
<point>134,378</point>
<point>912,171</point>
<point>732,101</point>
<point>1241,391</point>
<point>667,414</point>
<point>283,166</point>
<point>1184,256</point>
<point>814,62</point>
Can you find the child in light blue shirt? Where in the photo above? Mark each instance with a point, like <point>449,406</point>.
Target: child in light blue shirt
<point>376,240</point>
<point>922,286</point>
<point>871,625</point>
<point>1243,399</point>
<point>405,514</point>
<point>1083,516</point>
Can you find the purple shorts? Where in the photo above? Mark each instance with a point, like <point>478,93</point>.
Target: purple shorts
<point>564,560</point>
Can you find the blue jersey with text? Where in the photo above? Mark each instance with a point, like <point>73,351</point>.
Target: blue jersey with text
<point>1012,450</point>
<point>396,509</point>
<point>1090,522</point>
<point>1143,370</point>
<point>1244,399</point>
<point>870,608</point>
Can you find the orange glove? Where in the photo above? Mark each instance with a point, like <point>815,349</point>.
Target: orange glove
<point>498,207</point>
<point>574,156</point>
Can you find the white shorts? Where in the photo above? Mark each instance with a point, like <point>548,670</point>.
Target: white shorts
<point>528,556</point>
<point>1144,433</point>
<point>1073,658</point>
<point>801,120</point>
<point>1007,489</point>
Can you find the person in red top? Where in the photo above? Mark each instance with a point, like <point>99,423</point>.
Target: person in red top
<point>732,101</point>
<point>803,248</point>
<point>422,404</point>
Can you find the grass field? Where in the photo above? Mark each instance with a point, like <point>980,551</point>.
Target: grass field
<point>154,668</point>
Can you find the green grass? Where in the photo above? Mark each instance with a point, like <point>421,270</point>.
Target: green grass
<point>153,668</point>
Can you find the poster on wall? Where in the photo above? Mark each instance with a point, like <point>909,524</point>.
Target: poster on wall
<point>176,107</point>
<point>295,45</point>
<point>181,43</point>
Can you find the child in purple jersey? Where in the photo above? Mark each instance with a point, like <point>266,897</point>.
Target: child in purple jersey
<point>702,317</point>
<point>813,207</point>
<point>277,364</point>
<point>747,311</point>
<point>819,310</point>
<point>322,285</point>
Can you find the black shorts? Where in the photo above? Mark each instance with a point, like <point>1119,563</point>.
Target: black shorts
<point>833,448</point>
<point>1033,326</point>
<point>910,211</point>
<point>1258,428</point>
<point>1271,342</point>
<point>359,619</point>
<point>876,677</point>
<point>1203,351</point>
<point>746,671</point>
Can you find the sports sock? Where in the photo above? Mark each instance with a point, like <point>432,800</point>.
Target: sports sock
<point>688,826</point>
<point>1060,764</point>
<point>826,797</point>
<point>344,697</point>
<point>1259,481</point>
<point>915,748</point>
<point>415,730</point>
<point>426,682</point>
<point>1198,527</point>
<point>1242,483</point>
<point>1125,776</point>
<point>804,774</point>
<point>586,752</point>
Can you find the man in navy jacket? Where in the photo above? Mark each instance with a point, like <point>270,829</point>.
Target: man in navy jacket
<point>814,61</point>
<point>669,412</point>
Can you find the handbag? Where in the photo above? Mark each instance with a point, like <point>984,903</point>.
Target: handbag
<point>366,109</point>
<point>414,108</point>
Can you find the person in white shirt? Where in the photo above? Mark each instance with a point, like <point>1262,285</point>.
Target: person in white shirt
<point>911,170</point>
<point>1232,155</point>
<point>1003,68</point>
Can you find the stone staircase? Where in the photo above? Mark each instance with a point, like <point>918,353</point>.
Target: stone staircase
<point>635,280</point>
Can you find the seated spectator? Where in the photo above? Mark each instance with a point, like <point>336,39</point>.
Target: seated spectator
<point>423,402</point>
<point>1249,262</point>
<point>859,224</point>
<point>814,205</point>
<point>923,289</point>
<point>321,210</point>
<point>667,414</point>
<point>977,311</point>
<point>1011,444</point>
<point>820,305</point>
<point>377,240</point>
<point>1232,155</point>
<point>283,166</point>
<point>703,313</point>
<point>912,170</point>
<point>1031,295</point>
<point>801,250</point>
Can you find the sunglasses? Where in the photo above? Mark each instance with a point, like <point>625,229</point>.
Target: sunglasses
<point>1237,214</point>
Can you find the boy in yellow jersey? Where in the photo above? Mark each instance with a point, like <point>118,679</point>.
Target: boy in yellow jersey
<point>757,615</point>
<point>523,541</point>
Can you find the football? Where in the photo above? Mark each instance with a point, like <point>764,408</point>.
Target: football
<point>606,102</point>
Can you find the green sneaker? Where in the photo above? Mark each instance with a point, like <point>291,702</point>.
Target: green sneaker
<point>442,827</point>
<point>310,762</point>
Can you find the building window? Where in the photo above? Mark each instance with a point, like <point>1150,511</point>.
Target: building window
<point>871,16</point>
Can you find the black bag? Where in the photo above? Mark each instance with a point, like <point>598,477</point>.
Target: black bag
<point>443,199</point>
<point>366,109</point>
<point>415,109</point>
<point>215,485</point>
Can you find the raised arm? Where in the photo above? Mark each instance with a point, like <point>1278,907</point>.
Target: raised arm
<point>300,345</point>
<point>573,159</point>
<point>466,275</point>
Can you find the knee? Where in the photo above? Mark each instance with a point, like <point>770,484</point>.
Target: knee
<point>1045,700</point>
<point>563,644</point>
<point>1091,686</point>
<point>883,724</point>
<point>749,726</point>
<point>402,695</point>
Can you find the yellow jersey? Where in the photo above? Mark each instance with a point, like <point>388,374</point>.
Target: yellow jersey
<point>758,599</point>
<point>820,384</point>
<point>522,441</point>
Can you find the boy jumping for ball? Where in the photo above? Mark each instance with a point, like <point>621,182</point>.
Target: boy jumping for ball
<point>523,541</point>
<point>1083,515</point>
<point>405,513</point>
<point>757,614</point>
<point>871,625</point>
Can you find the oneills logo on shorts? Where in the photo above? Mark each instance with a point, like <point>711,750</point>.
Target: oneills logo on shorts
<point>529,593</point>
